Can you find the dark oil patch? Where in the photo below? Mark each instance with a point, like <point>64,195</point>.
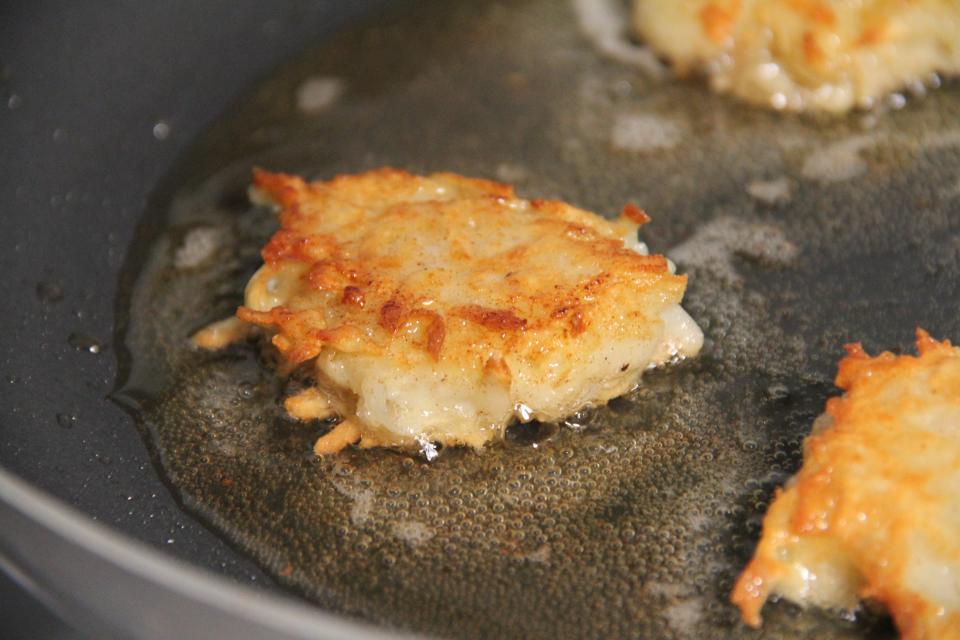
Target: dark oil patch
<point>631,520</point>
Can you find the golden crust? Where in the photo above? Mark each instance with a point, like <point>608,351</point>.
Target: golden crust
<point>871,514</point>
<point>371,297</point>
<point>459,282</point>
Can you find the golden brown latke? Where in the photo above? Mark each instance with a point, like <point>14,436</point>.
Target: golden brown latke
<point>873,512</point>
<point>435,309</point>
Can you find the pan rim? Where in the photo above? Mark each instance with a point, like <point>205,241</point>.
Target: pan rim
<point>222,606</point>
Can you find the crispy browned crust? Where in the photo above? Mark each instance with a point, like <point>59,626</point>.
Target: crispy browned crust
<point>356,295</point>
<point>635,214</point>
<point>866,490</point>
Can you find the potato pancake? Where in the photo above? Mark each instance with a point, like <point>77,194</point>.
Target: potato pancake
<point>827,55</point>
<point>437,309</point>
<point>872,514</point>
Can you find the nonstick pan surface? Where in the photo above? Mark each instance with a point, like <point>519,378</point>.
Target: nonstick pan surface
<point>82,87</point>
<point>798,235</point>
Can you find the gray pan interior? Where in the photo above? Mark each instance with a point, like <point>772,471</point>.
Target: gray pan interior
<point>82,86</point>
<point>632,520</point>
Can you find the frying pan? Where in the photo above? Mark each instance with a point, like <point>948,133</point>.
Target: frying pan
<point>83,88</point>
<point>861,248</point>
